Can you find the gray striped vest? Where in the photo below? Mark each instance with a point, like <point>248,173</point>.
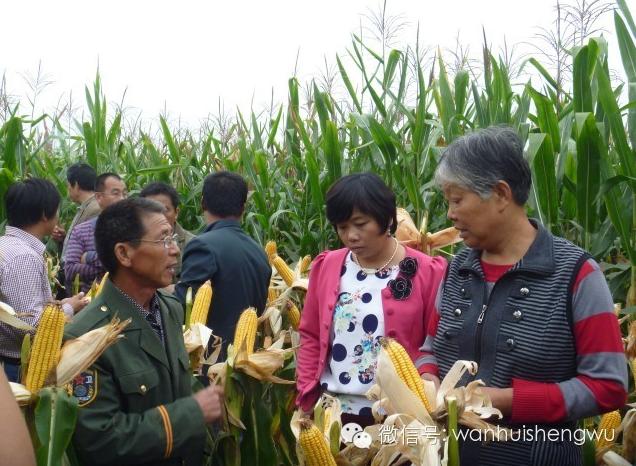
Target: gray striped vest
<point>523,330</point>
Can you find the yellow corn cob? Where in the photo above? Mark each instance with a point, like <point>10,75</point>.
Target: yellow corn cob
<point>47,343</point>
<point>201,305</point>
<point>406,369</point>
<point>314,446</point>
<point>246,330</point>
<point>270,249</point>
<point>606,429</point>
<point>293,315</point>
<point>326,421</point>
<point>272,295</point>
<point>101,284</point>
<point>286,273</point>
<point>632,365</point>
<point>305,262</point>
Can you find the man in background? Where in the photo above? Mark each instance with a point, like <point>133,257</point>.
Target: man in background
<point>226,255</point>
<point>32,213</point>
<point>81,258</point>
<point>80,184</point>
<point>167,196</point>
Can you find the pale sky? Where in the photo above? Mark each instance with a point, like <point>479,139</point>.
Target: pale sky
<point>185,55</point>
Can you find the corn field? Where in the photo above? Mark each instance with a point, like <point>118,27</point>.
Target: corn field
<point>395,119</point>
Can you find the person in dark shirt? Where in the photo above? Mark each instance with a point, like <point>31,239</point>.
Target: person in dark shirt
<point>226,255</point>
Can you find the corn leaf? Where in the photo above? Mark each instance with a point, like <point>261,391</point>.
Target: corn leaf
<point>55,417</point>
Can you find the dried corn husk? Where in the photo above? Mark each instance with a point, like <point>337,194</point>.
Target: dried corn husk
<point>611,458</point>
<point>9,317</point>
<point>80,353</point>
<point>21,394</point>
<point>409,235</point>
<point>630,350</point>
<point>261,365</point>
<point>407,413</point>
<point>196,337</point>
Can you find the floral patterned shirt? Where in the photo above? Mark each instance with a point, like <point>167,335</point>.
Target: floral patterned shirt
<point>358,324</point>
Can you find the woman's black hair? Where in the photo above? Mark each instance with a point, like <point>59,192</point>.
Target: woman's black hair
<point>365,192</point>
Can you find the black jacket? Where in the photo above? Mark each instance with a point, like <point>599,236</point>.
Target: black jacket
<point>236,265</point>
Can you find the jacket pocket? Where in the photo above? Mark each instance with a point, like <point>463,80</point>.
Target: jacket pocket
<point>139,383</point>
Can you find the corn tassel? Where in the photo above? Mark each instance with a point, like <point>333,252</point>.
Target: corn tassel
<point>607,429</point>
<point>293,315</point>
<point>314,446</point>
<point>201,306</point>
<point>406,369</point>
<point>47,343</point>
<point>246,331</point>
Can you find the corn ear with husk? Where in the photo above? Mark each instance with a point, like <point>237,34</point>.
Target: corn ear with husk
<point>245,332</point>
<point>328,418</point>
<point>305,262</point>
<point>286,273</point>
<point>201,305</point>
<point>313,445</point>
<point>260,365</point>
<point>406,369</point>
<point>47,342</point>
<point>407,413</point>
<point>293,314</point>
<point>80,353</point>
<point>606,432</point>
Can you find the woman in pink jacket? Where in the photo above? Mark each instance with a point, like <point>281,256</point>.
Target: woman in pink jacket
<point>373,287</point>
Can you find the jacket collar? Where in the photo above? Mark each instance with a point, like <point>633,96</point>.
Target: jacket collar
<point>538,259</point>
<point>223,223</point>
<point>119,305</point>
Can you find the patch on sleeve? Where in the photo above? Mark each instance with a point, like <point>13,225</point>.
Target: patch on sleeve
<point>84,387</point>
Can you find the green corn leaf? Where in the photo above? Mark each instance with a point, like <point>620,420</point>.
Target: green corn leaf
<point>541,155</point>
<point>348,85</point>
<point>55,417</point>
<point>589,151</point>
<point>547,117</point>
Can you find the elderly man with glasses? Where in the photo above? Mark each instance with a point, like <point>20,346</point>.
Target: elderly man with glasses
<point>136,402</point>
<point>81,258</point>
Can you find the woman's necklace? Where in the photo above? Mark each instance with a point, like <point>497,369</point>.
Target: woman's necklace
<point>371,270</point>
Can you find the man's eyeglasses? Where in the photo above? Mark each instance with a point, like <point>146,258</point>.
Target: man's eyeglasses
<point>168,241</point>
<point>114,193</point>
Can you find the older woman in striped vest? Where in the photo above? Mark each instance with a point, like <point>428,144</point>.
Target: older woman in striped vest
<point>532,309</point>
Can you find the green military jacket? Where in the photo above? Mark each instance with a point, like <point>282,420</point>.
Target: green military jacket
<point>136,406</point>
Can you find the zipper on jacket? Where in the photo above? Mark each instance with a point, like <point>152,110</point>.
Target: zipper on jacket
<point>482,314</point>
<point>480,329</point>
<point>480,319</point>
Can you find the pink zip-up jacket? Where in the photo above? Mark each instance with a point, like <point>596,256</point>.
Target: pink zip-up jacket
<point>405,320</point>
